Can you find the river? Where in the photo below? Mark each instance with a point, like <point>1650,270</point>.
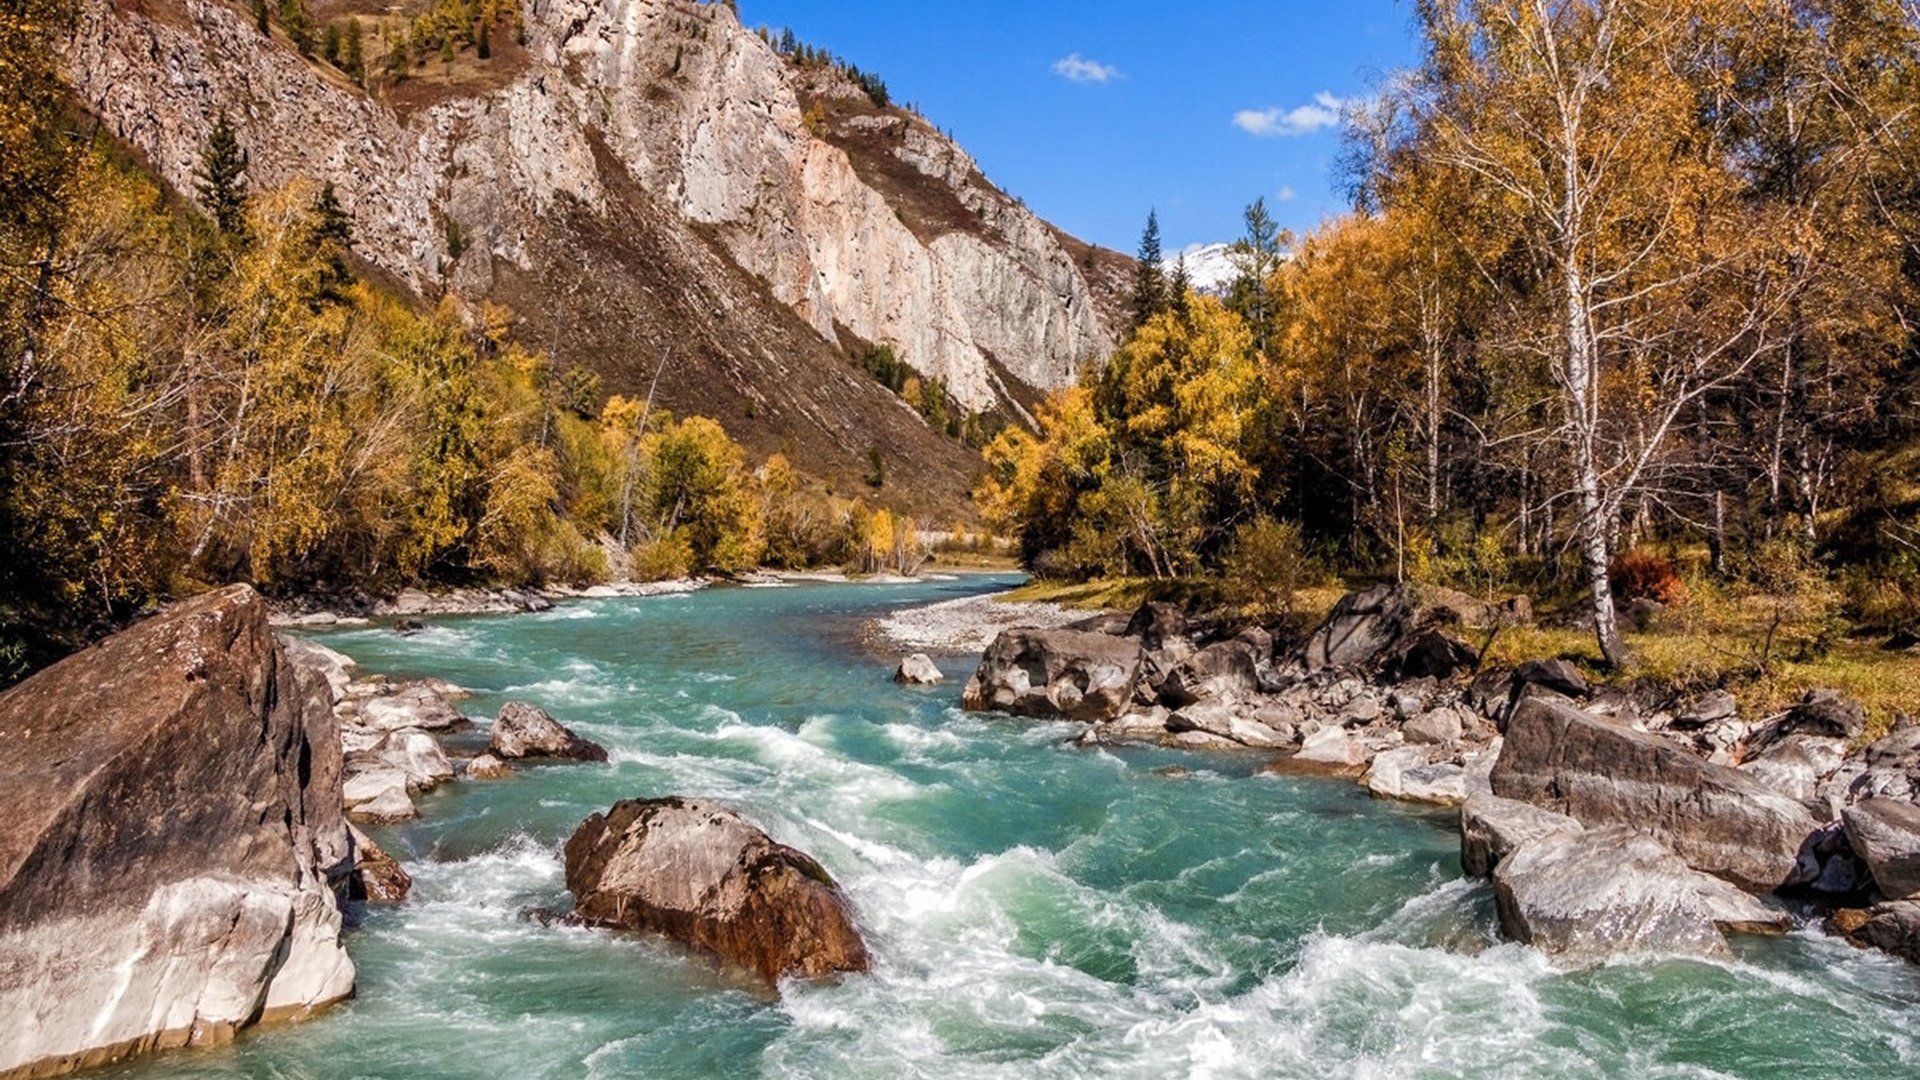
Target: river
<point>1034,910</point>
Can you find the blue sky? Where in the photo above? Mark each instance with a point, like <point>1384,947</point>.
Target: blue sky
<point>1096,112</point>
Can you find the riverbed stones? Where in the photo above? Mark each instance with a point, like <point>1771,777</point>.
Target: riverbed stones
<point>488,767</point>
<point>918,670</point>
<point>1067,673</point>
<point>1885,833</point>
<point>702,875</point>
<point>1719,819</point>
<point>524,731</point>
<point>172,833</point>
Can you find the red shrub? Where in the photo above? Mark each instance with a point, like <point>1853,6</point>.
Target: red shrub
<point>1642,574</point>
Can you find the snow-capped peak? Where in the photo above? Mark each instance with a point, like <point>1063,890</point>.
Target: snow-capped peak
<point>1211,268</point>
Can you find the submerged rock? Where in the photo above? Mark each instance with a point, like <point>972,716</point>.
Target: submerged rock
<point>488,767</point>
<point>700,874</point>
<point>172,833</point>
<point>1719,819</point>
<point>524,731</point>
<point>1081,676</point>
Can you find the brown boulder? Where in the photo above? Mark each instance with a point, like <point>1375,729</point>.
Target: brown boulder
<point>1068,673</point>
<point>524,731</point>
<point>1718,819</point>
<point>1885,833</point>
<point>172,835</point>
<point>700,874</point>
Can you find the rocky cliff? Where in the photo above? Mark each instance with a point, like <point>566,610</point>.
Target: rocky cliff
<point>645,178</point>
<point>171,832</point>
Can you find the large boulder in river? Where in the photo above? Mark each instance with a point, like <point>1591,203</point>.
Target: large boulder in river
<point>171,841</point>
<point>524,731</point>
<point>416,706</point>
<point>1078,675</point>
<point>1492,828</point>
<point>918,670</point>
<point>1601,892</point>
<point>1718,819</point>
<point>1885,833</point>
<point>1361,627</point>
<point>700,874</point>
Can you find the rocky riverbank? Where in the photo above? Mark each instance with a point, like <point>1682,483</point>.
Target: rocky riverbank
<point>319,612</point>
<point>1669,820</point>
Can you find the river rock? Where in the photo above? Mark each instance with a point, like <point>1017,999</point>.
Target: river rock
<point>1441,726</point>
<point>1894,927</point>
<point>1719,819</point>
<point>331,666</point>
<point>1068,673</point>
<point>702,875</point>
<point>170,843</point>
<point>418,756</point>
<point>1558,676</point>
<point>524,731</point>
<point>1435,654</point>
<point>1609,891</point>
<point>1885,833</point>
<point>918,670</point>
<point>1361,627</point>
<point>377,876</point>
<point>1225,670</point>
<point>1331,749</point>
<point>1155,623</point>
<point>411,706</point>
<point>1795,765</point>
<point>1491,828</point>
<point>1825,712</point>
<point>488,767</point>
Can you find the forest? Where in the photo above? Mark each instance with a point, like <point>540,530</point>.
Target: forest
<point>1623,313</point>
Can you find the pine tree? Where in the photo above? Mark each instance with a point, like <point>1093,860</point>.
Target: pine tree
<point>352,55</point>
<point>1150,281</point>
<point>332,238</point>
<point>221,188</point>
<point>260,16</point>
<point>1256,256</point>
<point>1179,287</point>
<point>330,43</point>
<point>297,20</point>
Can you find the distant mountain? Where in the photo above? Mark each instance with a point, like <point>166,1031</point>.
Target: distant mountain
<point>1210,267</point>
<point>656,194</point>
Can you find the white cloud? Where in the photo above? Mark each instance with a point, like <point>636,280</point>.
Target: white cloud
<point>1077,68</point>
<point>1324,112</point>
<point>1286,194</point>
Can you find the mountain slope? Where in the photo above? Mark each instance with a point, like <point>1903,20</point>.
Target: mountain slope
<point>644,179</point>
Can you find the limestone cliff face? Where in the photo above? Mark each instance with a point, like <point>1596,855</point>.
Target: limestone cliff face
<point>171,844</point>
<point>871,223</point>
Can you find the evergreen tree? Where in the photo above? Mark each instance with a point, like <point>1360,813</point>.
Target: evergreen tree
<point>297,20</point>
<point>1150,281</point>
<point>221,186</point>
<point>330,43</point>
<point>260,16</point>
<point>332,238</point>
<point>483,42</point>
<point>352,52</point>
<point>1179,287</point>
<point>1257,256</point>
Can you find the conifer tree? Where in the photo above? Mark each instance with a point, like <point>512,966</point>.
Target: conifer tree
<point>1150,281</point>
<point>260,17</point>
<point>297,20</point>
<point>352,52</point>
<point>1256,255</point>
<point>220,180</point>
<point>1178,288</point>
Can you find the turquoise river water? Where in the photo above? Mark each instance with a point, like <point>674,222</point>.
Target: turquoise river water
<point>1035,910</point>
